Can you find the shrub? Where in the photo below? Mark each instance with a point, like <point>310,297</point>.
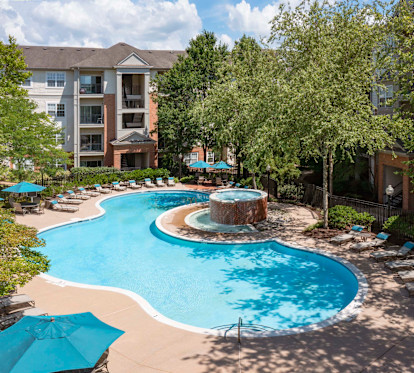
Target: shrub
<point>187,179</point>
<point>93,170</point>
<point>403,225</point>
<point>290,191</point>
<point>311,227</point>
<point>340,217</point>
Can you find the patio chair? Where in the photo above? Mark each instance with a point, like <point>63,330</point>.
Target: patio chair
<point>67,201</point>
<point>72,194</point>
<point>149,183</point>
<point>159,182</point>
<point>170,182</point>
<point>400,265</point>
<point>218,181</point>
<point>11,200</point>
<point>410,288</point>
<point>406,276</point>
<point>36,200</point>
<point>200,180</point>
<point>40,209</point>
<point>55,206</point>
<point>18,209</point>
<point>117,187</point>
<point>102,190</point>
<point>85,192</point>
<point>403,251</point>
<point>346,237</point>
<point>378,241</point>
<point>134,185</point>
<point>12,303</point>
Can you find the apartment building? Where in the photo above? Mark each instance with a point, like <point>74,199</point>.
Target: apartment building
<point>101,99</point>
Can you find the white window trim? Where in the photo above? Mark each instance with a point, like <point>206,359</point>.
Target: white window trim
<point>55,72</point>
<point>189,155</point>
<point>31,83</point>
<point>55,103</point>
<point>212,156</point>
<point>386,90</point>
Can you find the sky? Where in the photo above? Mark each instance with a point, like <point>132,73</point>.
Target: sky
<point>145,24</point>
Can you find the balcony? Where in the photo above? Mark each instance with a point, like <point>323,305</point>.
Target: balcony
<point>91,89</point>
<point>92,144</point>
<point>133,102</point>
<point>135,120</point>
<point>91,119</point>
<point>91,148</point>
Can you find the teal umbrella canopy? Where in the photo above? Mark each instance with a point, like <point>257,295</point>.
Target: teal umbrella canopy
<point>40,344</point>
<point>200,164</point>
<point>221,166</point>
<point>24,187</point>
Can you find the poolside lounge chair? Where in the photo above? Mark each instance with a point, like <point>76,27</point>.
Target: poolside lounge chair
<point>170,182</point>
<point>231,184</point>
<point>391,254</point>
<point>12,318</point>
<point>117,187</point>
<point>406,276</point>
<point>346,237</point>
<point>40,209</point>
<point>238,185</point>
<point>410,288</point>
<point>57,207</point>
<point>85,192</point>
<point>149,183</point>
<point>159,182</point>
<point>18,209</point>
<point>134,185</point>
<point>400,265</point>
<point>378,241</point>
<point>102,190</point>
<point>15,302</point>
<point>67,201</point>
<point>72,194</point>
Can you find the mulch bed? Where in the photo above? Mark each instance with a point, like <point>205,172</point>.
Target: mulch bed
<point>323,233</point>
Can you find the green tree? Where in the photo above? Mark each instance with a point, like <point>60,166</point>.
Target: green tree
<point>178,89</point>
<point>26,135</point>
<point>19,261</point>
<point>327,53</point>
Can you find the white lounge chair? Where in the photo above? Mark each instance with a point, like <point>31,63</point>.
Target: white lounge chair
<point>378,241</point>
<point>391,254</point>
<point>67,201</point>
<point>406,276</point>
<point>346,237</point>
<point>85,192</point>
<point>102,190</point>
<point>57,207</point>
<point>170,182</point>
<point>134,185</point>
<point>117,187</point>
<point>72,194</point>
<point>159,182</point>
<point>149,183</point>
<point>400,265</point>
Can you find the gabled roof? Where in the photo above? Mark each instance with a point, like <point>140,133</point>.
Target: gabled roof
<point>65,58</point>
<point>133,138</point>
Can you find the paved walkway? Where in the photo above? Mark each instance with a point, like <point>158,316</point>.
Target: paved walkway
<point>379,339</point>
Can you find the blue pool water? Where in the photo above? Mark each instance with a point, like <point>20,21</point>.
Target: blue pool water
<point>232,195</point>
<point>204,285</point>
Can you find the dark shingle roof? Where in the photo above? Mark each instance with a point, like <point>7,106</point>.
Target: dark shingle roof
<point>64,58</point>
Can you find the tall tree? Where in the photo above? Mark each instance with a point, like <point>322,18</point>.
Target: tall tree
<point>27,136</point>
<point>178,89</point>
<point>327,51</point>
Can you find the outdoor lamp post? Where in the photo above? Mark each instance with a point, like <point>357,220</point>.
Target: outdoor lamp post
<point>268,181</point>
<point>389,191</point>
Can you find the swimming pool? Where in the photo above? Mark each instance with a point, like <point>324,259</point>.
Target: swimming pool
<point>198,284</point>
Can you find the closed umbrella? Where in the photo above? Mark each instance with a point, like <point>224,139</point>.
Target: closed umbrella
<point>40,344</point>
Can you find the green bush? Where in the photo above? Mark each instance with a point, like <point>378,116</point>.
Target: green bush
<point>94,170</point>
<point>311,227</point>
<point>341,217</point>
<point>249,182</point>
<point>290,191</point>
<point>404,225</point>
<point>187,179</point>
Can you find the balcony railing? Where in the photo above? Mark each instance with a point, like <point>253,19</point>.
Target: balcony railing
<point>90,89</point>
<point>91,119</point>
<point>132,102</point>
<point>91,148</point>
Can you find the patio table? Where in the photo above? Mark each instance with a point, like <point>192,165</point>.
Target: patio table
<point>29,205</point>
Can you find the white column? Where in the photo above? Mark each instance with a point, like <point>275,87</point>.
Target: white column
<point>76,118</point>
<point>118,102</point>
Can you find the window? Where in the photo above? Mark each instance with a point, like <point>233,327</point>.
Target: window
<point>91,143</point>
<point>91,114</point>
<point>384,95</point>
<point>55,80</point>
<point>91,163</point>
<point>90,84</point>
<point>27,83</point>
<point>56,110</point>
<point>210,157</point>
<point>190,158</point>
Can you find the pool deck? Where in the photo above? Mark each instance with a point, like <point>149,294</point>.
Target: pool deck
<point>379,339</point>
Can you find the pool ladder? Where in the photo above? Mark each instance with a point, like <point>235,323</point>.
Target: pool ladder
<point>240,326</point>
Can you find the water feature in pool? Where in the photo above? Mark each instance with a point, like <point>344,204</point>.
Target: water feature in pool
<point>232,195</point>
<point>199,284</point>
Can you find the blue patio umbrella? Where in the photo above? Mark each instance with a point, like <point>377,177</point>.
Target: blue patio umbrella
<point>200,164</point>
<point>40,344</point>
<point>24,187</point>
<point>222,166</point>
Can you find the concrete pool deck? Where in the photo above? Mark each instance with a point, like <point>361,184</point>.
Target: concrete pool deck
<point>379,339</point>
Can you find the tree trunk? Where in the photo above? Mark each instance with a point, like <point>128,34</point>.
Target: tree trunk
<point>180,167</point>
<point>325,202</point>
<point>254,180</point>
<point>238,167</point>
<point>205,153</point>
<point>331,166</point>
